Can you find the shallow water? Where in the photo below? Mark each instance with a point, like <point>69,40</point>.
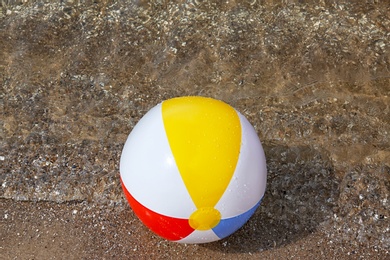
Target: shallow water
<point>314,81</point>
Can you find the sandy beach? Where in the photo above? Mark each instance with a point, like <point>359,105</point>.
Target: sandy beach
<point>313,79</point>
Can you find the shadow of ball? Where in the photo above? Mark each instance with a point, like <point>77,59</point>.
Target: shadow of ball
<point>301,193</point>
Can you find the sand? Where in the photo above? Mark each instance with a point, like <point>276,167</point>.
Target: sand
<point>313,79</point>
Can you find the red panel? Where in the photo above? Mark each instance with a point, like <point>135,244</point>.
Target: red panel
<point>167,227</point>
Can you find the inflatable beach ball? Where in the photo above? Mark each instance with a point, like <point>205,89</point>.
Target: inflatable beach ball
<point>193,170</point>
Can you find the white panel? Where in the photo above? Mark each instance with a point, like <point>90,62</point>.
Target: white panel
<point>149,171</point>
<point>199,237</point>
<point>248,184</point>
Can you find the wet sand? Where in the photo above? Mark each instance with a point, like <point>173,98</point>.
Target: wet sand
<point>49,230</point>
<point>313,79</point>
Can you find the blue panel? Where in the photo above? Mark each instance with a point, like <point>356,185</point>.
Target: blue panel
<point>228,226</point>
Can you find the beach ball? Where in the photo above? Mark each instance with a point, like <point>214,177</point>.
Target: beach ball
<point>193,170</point>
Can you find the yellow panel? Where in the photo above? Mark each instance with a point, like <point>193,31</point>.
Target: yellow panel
<point>205,138</point>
